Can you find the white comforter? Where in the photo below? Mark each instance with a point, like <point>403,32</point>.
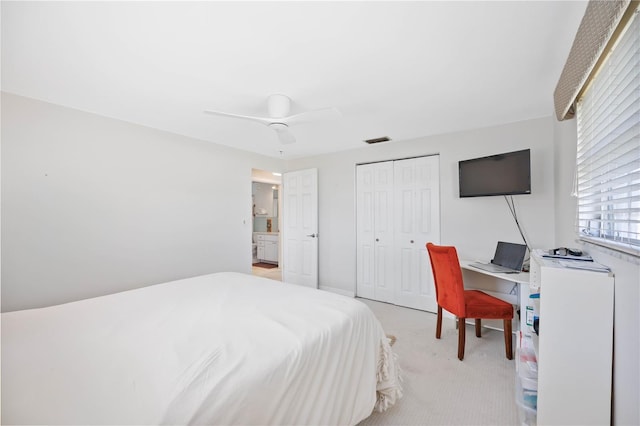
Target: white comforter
<point>224,348</point>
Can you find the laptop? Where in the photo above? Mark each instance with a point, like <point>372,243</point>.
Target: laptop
<point>507,260</point>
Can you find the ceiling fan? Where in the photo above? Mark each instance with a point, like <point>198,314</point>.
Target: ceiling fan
<point>279,120</point>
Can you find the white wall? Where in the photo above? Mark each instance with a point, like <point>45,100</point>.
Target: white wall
<point>473,225</point>
<point>626,369</point>
<point>92,205</point>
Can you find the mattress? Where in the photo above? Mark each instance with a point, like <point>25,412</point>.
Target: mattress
<point>224,348</point>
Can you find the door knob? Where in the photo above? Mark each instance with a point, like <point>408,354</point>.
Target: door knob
<point>411,241</point>
<point>377,239</point>
<point>312,235</point>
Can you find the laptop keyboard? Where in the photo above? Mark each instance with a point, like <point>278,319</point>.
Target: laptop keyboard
<point>494,268</point>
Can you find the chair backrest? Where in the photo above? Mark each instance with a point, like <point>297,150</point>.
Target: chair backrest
<point>447,277</point>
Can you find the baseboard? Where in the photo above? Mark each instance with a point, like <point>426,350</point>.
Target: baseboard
<point>340,291</point>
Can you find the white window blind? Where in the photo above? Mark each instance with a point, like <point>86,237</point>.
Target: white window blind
<point>608,156</point>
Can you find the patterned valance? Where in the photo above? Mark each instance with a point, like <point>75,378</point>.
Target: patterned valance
<point>600,21</point>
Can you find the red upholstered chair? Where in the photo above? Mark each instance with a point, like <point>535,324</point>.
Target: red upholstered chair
<point>451,296</point>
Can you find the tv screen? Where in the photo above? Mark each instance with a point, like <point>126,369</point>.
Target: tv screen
<point>500,174</point>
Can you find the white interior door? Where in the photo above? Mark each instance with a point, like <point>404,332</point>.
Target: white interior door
<point>374,233</point>
<point>300,227</point>
<point>417,197</point>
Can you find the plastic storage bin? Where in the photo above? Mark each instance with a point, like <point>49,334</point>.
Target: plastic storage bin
<point>526,382</point>
<point>527,368</point>
<point>527,401</point>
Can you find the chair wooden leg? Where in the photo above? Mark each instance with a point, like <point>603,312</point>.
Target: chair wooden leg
<point>439,323</point>
<point>478,327</point>
<point>508,339</point>
<point>461,338</point>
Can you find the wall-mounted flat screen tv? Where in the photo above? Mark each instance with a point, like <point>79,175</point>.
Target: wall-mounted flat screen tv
<point>500,174</point>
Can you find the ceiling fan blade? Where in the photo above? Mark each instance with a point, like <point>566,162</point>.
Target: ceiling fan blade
<point>283,132</point>
<point>314,115</point>
<point>262,120</point>
<point>279,120</point>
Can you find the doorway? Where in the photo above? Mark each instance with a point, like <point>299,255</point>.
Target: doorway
<point>266,221</point>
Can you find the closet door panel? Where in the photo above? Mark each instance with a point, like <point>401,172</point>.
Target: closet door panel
<point>426,287</point>
<point>425,223</point>
<point>365,249</point>
<point>383,233</point>
<point>429,225</point>
<point>405,244</point>
<point>417,195</point>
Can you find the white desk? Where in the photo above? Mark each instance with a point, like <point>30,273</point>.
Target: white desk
<point>520,280</point>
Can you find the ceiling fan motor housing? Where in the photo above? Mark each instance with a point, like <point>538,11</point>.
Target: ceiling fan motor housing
<point>278,106</point>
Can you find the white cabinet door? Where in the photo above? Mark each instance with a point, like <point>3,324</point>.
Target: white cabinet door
<point>271,251</point>
<point>374,233</point>
<point>416,191</point>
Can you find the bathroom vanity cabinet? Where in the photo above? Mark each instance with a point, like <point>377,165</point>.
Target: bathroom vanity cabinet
<point>267,247</point>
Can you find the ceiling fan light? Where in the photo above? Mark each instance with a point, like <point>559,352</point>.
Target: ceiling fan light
<point>279,127</point>
<point>282,130</point>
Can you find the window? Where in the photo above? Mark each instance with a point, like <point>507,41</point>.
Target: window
<point>608,156</point>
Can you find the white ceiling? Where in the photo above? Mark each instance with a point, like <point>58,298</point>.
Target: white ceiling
<point>397,69</point>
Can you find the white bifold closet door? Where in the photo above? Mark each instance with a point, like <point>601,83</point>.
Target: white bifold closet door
<point>398,212</point>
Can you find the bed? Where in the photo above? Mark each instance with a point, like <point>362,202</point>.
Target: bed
<point>224,348</point>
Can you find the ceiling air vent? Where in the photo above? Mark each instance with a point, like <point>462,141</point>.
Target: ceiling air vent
<point>377,140</point>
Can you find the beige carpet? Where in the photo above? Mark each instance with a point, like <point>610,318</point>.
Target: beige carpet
<point>438,388</point>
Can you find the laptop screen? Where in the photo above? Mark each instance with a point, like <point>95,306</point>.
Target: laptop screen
<point>510,255</point>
